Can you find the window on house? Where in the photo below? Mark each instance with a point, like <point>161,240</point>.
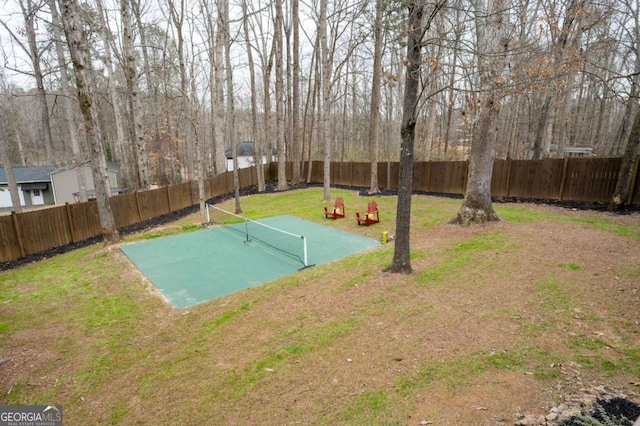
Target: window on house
<point>36,192</point>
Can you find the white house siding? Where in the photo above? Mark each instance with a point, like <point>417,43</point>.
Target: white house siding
<point>5,197</point>
<point>244,162</point>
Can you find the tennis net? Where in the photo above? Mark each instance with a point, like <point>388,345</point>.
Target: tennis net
<point>279,241</point>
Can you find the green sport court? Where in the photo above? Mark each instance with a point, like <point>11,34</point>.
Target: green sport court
<point>196,267</point>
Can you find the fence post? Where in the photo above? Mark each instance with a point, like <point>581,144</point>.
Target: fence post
<point>634,179</point>
<point>563,179</point>
<point>14,217</point>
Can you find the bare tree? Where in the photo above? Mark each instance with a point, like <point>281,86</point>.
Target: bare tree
<point>564,38</point>
<point>79,51</point>
<point>296,143</point>
<point>217,99</point>
<point>622,194</point>
<point>29,11</point>
<point>5,150</point>
<point>121,144</point>
<point>257,147</point>
<point>325,80</point>
<point>280,119</point>
<point>133,94</point>
<point>376,84</point>
<point>215,47</point>
<point>417,26</point>
<point>67,101</point>
<point>493,44</point>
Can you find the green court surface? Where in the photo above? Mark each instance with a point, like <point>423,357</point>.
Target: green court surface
<point>199,266</point>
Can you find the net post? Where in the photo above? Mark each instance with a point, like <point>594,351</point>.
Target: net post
<point>304,249</point>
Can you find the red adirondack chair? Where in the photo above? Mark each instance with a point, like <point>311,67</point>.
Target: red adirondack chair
<point>338,209</point>
<point>371,216</point>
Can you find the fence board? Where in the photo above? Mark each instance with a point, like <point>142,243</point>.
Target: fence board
<point>341,173</point>
<point>591,179</point>
<point>84,220</point>
<point>219,186</point>
<point>447,177</point>
<point>152,203</point>
<point>125,210</point>
<point>245,177</point>
<point>9,245</point>
<point>43,229</point>
<point>317,171</point>
<point>421,176</point>
<point>500,178</point>
<point>180,196</point>
<point>361,175</point>
<point>536,179</point>
<point>388,175</point>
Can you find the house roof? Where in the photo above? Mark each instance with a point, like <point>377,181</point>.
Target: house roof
<point>28,174</point>
<point>245,149</point>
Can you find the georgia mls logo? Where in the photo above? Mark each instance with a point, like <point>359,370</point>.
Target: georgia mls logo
<point>30,415</point>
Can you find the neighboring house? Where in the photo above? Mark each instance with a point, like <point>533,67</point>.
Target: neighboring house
<point>34,186</point>
<point>65,182</point>
<point>246,155</point>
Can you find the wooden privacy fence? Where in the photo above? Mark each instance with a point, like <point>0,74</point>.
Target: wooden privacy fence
<point>36,231</point>
<point>569,179</point>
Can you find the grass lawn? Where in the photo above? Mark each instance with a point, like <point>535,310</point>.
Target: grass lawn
<point>495,321</point>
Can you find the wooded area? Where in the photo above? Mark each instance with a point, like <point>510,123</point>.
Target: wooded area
<point>589,180</point>
<point>172,76</point>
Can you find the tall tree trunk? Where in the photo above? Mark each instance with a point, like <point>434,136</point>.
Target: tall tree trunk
<point>296,143</point>
<point>152,85</point>
<point>133,93</point>
<point>401,262</point>
<point>79,51</point>
<point>216,94</point>
<point>267,67</point>
<point>492,45</point>
<point>257,146</point>
<point>29,13</point>
<point>5,156</point>
<point>325,65</point>
<point>67,102</point>
<point>223,9</point>
<point>374,117</point>
<point>312,100</point>
<point>122,143</point>
<point>280,121</point>
<point>452,79</point>
<point>218,106</point>
<point>621,195</point>
<point>198,152</point>
<point>177,15</point>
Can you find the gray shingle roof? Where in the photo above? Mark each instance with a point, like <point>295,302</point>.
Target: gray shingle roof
<point>28,174</point>
<point>245,149</point>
